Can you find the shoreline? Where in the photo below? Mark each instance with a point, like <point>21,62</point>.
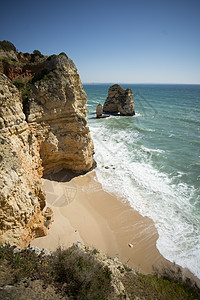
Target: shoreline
<point>84,212</point>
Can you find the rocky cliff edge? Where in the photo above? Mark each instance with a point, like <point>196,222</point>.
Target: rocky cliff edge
<point>43,128</point>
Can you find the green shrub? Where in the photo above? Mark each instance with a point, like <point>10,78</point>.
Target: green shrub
<point>6,60</point>
<point>50,57</point>
<point>26,90</point>
<point>37,52</point>
<point>19,83</point>
<point>26,263</point>
<point>155,287</point>
<point>79,275</point>
<point>84,276</point>
<point>39,76</point>
<point>73,272</point>
<point>7,46</point>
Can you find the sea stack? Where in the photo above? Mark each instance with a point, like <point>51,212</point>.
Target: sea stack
<point>119,101</point>
<point>99,112</point>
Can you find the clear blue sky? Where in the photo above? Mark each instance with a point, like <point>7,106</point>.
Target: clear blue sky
<point>127,41</point>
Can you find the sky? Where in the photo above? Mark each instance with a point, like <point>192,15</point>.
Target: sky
<point>126,41</point>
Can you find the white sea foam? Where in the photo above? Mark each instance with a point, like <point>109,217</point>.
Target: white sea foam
<point>131,174</point>
<point>152,150</point>
<point>137,115</point>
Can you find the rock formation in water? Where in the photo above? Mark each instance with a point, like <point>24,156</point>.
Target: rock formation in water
<point>119,101</point>
<point>99,112</point>
<point>43,129</point>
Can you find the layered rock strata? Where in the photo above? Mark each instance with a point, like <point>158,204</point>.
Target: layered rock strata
<point>119,101</point>
<point>22,198</point>
<point>56,110</point>
<point>43,129</point>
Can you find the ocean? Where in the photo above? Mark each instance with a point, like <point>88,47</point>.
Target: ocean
<point>152,160</point>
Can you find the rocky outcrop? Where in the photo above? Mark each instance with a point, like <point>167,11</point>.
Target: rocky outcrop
<point>99,112</point>
<point>20,65</point>
<point>21,194</point>
<point>119,101</point>
<point>56,110</point>
<point>43,129</point>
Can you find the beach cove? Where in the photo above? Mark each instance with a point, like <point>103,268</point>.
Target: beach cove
<point>85,213</point>
<point>139,163</point>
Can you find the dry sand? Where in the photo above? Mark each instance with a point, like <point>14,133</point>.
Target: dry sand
<point>84,212</point>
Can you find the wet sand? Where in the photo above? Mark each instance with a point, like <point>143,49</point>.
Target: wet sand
<point>84,212</point>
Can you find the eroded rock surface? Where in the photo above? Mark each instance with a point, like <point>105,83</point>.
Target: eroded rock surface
<point>43,129</point>
<point>119,101</point>
<point>58,115</point>
<point>18,65</point>
<point>22,198</point>
<point>99,110</point>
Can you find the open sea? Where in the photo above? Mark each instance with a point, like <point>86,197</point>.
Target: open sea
<point>153,160</point>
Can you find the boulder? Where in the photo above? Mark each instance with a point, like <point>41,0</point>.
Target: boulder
<point>119,101</point>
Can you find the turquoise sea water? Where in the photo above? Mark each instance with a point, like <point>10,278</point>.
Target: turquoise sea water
<point>153,161</point>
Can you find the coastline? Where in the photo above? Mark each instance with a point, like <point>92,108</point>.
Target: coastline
<point>84,212</point>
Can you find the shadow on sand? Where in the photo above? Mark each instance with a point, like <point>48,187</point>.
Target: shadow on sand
<point>62,176</point>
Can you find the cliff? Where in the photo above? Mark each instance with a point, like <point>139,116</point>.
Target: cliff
<point>57,113</point>
<point>43,128</point>
<point>21,194</point>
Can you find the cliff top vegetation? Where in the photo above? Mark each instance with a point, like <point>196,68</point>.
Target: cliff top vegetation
<point>75,273</point>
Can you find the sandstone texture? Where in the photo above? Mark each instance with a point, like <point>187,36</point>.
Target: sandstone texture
<point>56,110</point>
<point>22,198</point>
<point>43,129</point>
<point>119,101</point>
<point>99,110</point>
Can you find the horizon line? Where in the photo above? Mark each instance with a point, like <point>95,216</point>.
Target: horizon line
<point>164,83</point>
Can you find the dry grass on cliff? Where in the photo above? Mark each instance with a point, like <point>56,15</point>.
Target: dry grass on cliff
<point>77,274</point>
<point>72,272</point>
<point>154,287</point>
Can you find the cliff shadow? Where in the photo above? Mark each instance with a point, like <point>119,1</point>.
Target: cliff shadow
<point>59,188</point>
<point>62,176</point>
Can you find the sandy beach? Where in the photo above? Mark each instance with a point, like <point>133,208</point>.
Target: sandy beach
<point>84,212</point>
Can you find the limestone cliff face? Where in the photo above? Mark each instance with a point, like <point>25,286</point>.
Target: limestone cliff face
<point>21,195</point>
<point>57,113</point>
<point>43,129</point>
<point>119,100</point>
